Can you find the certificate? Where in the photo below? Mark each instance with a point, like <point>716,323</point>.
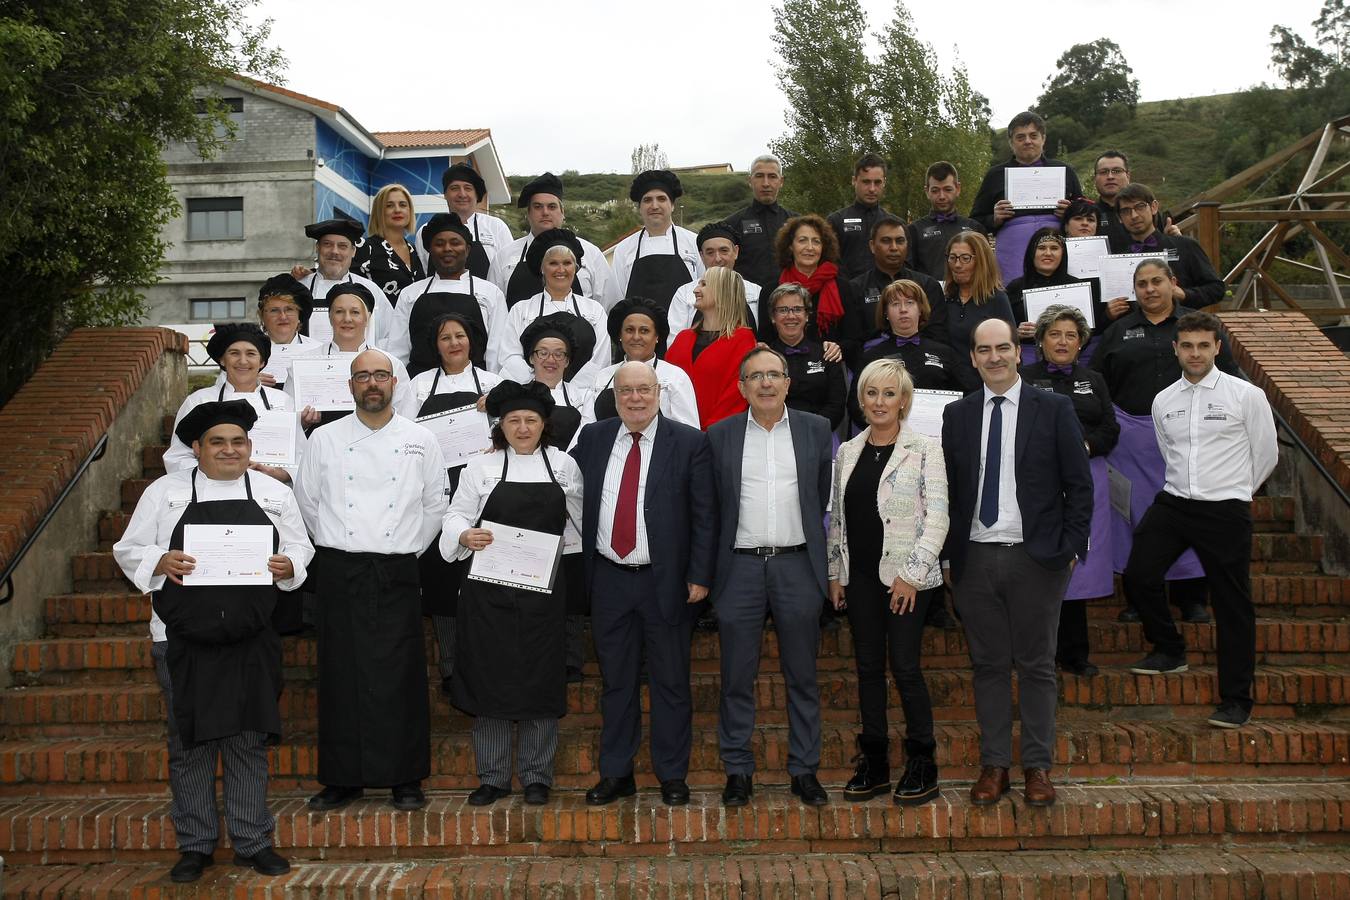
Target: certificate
<point>228,554</point>
<point>1085,255</point>
<point>517,558</point>
<point>273,437</point>
<point>1034,187</point>
<point>1119,487</point>
<point>279,363</point>
<point>320,326</point>
<point>321,382</point>
<point>462,433</point>
<point>1117,274</point>
<point>1079,296</point>
<point>925,411</point>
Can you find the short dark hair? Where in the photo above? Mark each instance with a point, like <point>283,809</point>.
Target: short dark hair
<point>1200,321</point>
<point>755,351</point>
<point>1012,332</point>
<point>1105,154</point>
<point>1023,119</point>
<point>941,171</point>
<point>869,161</point>
<point>1137,190</point>
<point>499,441</point>
<point>887,221</point>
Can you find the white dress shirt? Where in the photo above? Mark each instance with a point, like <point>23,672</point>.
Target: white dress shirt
<point>367,491</point>
<point>179,456</point>
<point>1008,528</point>
<point>771,509</point>
<point>510,356</point>
<point>381,317</point>
<point>449,384</point>
<point>681,312</point>
<point>609,494</point>
<point>1217,437</point>
<point>494,234</point>
<point>625,253</point>
<point>595,276</point>
<point>150,530</point>
<point>491,303</point>
<point>677,391</point>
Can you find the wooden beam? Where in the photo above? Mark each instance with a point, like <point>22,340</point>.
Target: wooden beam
<point>1268,281</point>
<point>1285,215</point>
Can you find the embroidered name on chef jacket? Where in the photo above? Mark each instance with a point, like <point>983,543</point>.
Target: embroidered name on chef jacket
<point>1132,333</point>
<point>413,449</point>
<point>750,226</point>
<point>853,224</point>
<point>270,505</point>
<point>932,232</point>
<point>1214,412</point>
<point>931,360</point>
<point>1082,387</point>
<point>815,368</point>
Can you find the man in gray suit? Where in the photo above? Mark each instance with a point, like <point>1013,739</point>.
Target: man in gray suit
<point>770,557</point>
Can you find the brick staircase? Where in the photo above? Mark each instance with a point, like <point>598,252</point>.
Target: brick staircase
<point>1153,801</point>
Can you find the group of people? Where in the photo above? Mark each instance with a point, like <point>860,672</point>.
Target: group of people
<point>723,419</point>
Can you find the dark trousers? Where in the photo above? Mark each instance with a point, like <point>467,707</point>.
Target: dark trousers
<point>537,745</point>
<point>1220,531</point>
<point>875,628</point>
<point>1072,643</point>
<point>625,622</point>
<point>787,586</point>
<point>1010,607</point>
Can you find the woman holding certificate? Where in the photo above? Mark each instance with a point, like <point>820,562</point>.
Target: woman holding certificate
<point>508,517</point>
<point>1045,265</point>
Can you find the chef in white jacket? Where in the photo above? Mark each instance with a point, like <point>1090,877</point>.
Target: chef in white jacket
<point>660,256</point>
<point>464,189</point>
<point>335,243</point>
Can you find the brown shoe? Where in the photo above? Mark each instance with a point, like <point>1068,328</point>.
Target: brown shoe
<point>1039,790</point>
<point>991,786</point>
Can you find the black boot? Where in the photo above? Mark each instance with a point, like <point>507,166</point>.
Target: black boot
<point>919,783</point>
<point>873,775</point>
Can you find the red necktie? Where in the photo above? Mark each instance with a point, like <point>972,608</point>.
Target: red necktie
<point>623,536</point>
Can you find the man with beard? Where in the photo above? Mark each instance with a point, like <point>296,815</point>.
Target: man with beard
<point>335,243</point>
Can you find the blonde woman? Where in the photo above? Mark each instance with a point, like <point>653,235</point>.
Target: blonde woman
<point>887,526</point>
<point>387,255</point>
<point>711,353</point>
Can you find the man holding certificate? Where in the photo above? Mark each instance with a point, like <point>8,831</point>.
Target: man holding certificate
<point>217,657</point>
<point>1197,284</point>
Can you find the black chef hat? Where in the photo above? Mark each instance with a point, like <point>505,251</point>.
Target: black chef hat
<point>664,179</point>
<point>344,225</point>
<point>548,183</point>
<point>477,336</point>
<point>217,412</point>
<point>510,395</point>
<point>1079,206</point>
<point>560,325</point>
<point>228,333</point>
<point>464,172</point>
<point>639,306</point>
<point>444,222</point>
<point>355,288</point>
<point>285,285</point>
<point>534,257</point>
<point>718,230</point>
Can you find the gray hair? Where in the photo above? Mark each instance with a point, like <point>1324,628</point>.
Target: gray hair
<point>1058,313</point>
<point>767,158</point>
<point>793,288</point>
<point>557,249</point>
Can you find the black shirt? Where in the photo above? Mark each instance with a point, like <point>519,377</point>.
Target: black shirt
<point>848,332</point>
<point>853,226</point>
<point>932,366</point>
<point>1192,267</point>
<point>868,287</point>
<point>375,259</point>
<point>994,187</point>
<point>962,318</point>
<point>865,536</point>
<point>1136,358</point>
<point>817,386</point>
<point>1091,400</point>
<point>928,242</point>
<point>757,226</point>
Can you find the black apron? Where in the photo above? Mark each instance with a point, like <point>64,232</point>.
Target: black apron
<point>522,285</point>
<point>511,661</point>
<point>478,258</point>
<point>582,332</point>
<point>565,419</point>
<point>224,657</point>
<point>658,276</point>
<point>261,393</point>
<point>426,310</point>
<point>441,580</point>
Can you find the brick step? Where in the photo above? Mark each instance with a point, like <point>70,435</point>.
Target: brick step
<point>132,488</point>
<point>1085,817</point>
<point>138,764</point>
<point>152,462</point>
<point>1243,872</point>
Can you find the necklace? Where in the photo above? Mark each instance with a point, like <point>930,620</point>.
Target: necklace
<point>878,449</point>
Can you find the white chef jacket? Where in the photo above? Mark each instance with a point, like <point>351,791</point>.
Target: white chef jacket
<point>491,303</point>
<point>681,312</point>
<point>179,456</point>
<point>625,254</point>
<point>511,362</point>
<point>677,391</point>
<point>448,384</point>
<point>381,317</point>
<point>596,277</point>
<point>150,530</point>
<point>494,234</point>
<point>403,401</point>
<point>367,491</point>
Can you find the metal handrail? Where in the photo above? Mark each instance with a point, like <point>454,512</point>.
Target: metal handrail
<point>1312,457</point>
<point>8,577</point>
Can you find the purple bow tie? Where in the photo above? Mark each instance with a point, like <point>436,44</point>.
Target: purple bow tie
<point>1151,243</point>
<point>944,218</point>
<point>800,350</point>
<point>1054,368</point>
<point>902,341</point>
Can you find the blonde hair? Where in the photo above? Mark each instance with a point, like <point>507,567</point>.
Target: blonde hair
<point>887,370</point>
<point>984,280</point>
<point>728,292</point>
<point>377,210</point>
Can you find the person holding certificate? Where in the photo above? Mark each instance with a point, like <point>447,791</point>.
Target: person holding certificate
<point>640,328</point>
<point>284,308</point>
<point>510,669</point>
<point>887,525</point>
<point>1197,284</point>
<point>217,658</point>
<point>1046,264</point>
<point>1061,334</point>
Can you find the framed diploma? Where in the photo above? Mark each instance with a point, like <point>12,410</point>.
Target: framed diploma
<point>517,558</point>
<point>1034,187</point>
<point>1079,296</point>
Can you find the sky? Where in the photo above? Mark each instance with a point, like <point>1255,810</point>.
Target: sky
<point>579,85</point>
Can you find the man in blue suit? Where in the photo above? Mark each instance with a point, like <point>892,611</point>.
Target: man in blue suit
<point>648,523</point>
<point>1020,498</point>
<point>772,470</point>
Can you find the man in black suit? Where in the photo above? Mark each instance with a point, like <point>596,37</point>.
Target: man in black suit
<point>645,572</point>
<point>1020,500</point>
<point>772,471</point>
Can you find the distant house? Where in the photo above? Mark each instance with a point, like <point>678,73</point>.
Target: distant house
<point>294,160</point>
<point>710,169</point>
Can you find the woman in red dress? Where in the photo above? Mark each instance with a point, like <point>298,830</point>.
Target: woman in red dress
<point>711,350</point>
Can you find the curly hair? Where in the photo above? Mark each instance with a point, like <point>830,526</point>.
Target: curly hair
<point>782,243</point>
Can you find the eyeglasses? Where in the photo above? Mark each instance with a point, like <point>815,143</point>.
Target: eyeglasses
<point>1116,171</point>
<point>962,258</point>
<point>642,390</point>
<point>550,354</point>
<point>280,311</point>
<point>1139,209</point>
<point>789,311</point>
<point>379,377</point>
<point>769,377</point>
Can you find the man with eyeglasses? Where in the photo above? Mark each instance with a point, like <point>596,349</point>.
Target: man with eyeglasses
<point>772,468</point>
<point>1111,174</point>
<point>372,489</point>
<point>1197,284</point>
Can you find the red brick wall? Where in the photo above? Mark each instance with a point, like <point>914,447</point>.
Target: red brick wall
<point>55,420</point>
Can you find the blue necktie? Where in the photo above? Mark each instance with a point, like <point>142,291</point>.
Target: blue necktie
<point>992,453</point>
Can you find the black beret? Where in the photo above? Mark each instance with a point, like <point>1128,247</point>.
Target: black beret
<point>464,172</point>
<point>663,179</point>
<point>639,306</point>
<point>355,288</point>
<point>510,395</point>
<point>1080,206</point>
<point>718,230</point>
<point>548,183</point>
<point>217,412</point>
<point>285,285</point>
<point>544,241</point>
<point>444,222</point>
<point>228,333</point>
<point>477,336</point>
<point>344,225</point>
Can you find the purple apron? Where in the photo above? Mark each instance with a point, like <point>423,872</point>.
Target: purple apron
<point>1095,576</point>
<point>1137,458</point>
<point>1012,239</point>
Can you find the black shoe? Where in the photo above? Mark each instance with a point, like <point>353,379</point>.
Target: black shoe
<point>608,789</point>
<point>574,675</point>
<point>486,794</point>
<point>265,862</point>
<point>1082,669</point>
<point>675,792</point>
<point>1159,663</point>
<point>1195,613</point>
<point>408,796</point>
<point>1128,614</point>
<point>536,793</point>
<point>1230,715</point>
<point>919,783</point>
<point>938,616</point>
<point>445,684</point>
<point>190,866</point>
<point>809,790</point>
<point>828,621</point>
<point>738,790</point>
<point>333,797</point>
<point>873,773</point>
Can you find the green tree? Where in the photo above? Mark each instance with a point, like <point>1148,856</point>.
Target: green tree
<point>1304,65</point>
<point>1089,80</point>
<point>89,92</point>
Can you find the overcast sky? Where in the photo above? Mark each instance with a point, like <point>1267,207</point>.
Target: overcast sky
<point>578,85</point>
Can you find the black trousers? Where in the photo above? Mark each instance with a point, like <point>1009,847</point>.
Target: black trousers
<point>875,629</point>
<point>1220,531</point>
<point>1072,645</point>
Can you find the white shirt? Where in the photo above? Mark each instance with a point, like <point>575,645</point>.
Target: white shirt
<point>179,456</point>
<point>403,401</point>
<point>449,384</point>
<point>510,356</point>
<point>596,277</point>
<point>491,303</point>
<point>381,317</point>
<point>491,232</point>
<point>771,509</point>
<point>367,491</point>
<point>1008,528</point>
<point>626,253</point>
<point>677,391</point>
<point>1217,437</point>
<point>484,472</point>
<point>681,312</point>
<point>150,530</point>
<point>609,494</point>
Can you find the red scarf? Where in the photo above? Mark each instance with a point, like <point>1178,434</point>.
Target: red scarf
<point>822,285</point>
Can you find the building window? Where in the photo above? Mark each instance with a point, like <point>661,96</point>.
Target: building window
<point>216,309</point>
<point>215,218</point>
<point>235,106</point>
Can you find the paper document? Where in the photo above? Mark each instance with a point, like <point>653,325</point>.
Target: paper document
<point>925,411</point>
<point>462,433</point>
<point>273,437</point>
<point>320,327</point>
<point>1034,187</point>
<point>279,363</point>
<point>518,558</point>
<point>1120,488</point>
<point>1079,296</point>
<point>321,382</point>
<point>228,554</point>
<point>1085,255</point>
<point>1117,274</point>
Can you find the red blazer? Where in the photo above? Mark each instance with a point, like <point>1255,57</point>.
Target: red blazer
<point>715,374</point>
